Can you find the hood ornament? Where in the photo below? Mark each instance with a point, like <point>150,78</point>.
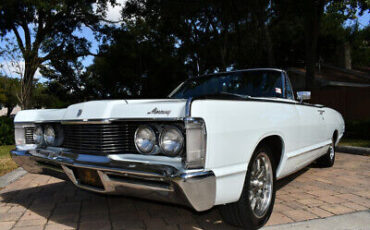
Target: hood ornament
<point>158,111</point>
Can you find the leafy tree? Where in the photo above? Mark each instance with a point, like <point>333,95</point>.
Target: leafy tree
<point>162,42</point>
<point>6,131</point>
<point>8,93</point>
<point>137,62</point>
<point>211,35</point>
<point>48,32</point>
<point>312,13</point>
<point>44,98</point>
<point>68,79</point>
<point>360,40</point>
<point>308,16</point>
<point>205,36</point>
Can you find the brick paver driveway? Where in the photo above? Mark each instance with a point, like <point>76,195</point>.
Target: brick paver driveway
<point>43,202</point>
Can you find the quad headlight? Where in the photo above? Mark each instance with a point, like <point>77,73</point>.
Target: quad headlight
<point>145,139</point>
<point>171,141</point>
<point>49,135</point>
<point>38,135</point>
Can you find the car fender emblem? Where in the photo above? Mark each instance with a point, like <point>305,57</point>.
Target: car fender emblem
<point>158,111</point>
<point>79,112</point>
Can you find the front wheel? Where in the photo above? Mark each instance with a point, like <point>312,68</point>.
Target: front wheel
<point>254,207</point>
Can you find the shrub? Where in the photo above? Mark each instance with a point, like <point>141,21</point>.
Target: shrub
<point>6,131</point>
<point>358,129</point>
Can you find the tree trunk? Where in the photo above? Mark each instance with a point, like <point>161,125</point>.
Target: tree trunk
<point>313,12</point>
<point>9,112</point>
<point>310,68</point>
<point>270,51</point>
<point>347,56</point>
<point>27,84</point>
<point>261,17</point>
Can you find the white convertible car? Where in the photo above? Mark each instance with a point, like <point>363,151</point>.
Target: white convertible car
<point>221,139</point>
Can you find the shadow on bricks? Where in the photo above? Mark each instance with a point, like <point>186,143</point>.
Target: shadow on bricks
<point>62,204</point>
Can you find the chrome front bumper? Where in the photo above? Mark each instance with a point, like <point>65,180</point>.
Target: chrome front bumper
<point>194,188</point>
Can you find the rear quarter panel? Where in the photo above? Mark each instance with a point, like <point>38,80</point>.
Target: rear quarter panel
<point>334,122</point>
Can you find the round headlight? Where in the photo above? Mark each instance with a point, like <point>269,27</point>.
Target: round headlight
<point>145,139</point>
<point>49,135</point>
<point>171,141</point>
<point>38,135</point>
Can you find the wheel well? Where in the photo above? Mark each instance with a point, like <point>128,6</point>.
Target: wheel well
<point>335,136</point>
<point>276,144</point>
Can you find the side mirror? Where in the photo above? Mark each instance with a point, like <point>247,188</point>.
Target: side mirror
<point>303,95</point>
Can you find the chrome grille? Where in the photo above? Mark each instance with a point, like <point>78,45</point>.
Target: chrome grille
<point>101,139</point>
<point>28,133</point>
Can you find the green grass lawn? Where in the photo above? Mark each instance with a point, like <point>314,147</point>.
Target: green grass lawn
<point>355,142</point>
<point>6,163</point>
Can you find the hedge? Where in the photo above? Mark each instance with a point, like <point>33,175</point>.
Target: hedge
<point>6,131</point>
<point>358,129</point>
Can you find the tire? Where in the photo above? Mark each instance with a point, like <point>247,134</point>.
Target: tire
<point>329,158</point>
<point>241,213</point>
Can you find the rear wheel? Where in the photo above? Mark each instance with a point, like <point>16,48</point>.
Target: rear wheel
<point>254,207</point>
<point>329,158</point>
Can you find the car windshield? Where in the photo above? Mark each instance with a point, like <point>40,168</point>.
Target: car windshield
<point>254,83</point>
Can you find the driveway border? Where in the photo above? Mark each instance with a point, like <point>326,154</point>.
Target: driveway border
<point>353,150</point>
<point>355,220</point>
<point>11,177</point>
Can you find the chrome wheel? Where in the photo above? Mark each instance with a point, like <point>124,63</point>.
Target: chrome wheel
<point>261,185</point>
<point>331,152</point>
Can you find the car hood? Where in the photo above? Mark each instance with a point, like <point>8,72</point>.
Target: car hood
<point>108,109</point>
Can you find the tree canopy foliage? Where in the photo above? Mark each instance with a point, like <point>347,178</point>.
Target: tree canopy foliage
<point>163,42</point>
<point>44,31</point>
<point>9,88</point>
<point>42,97</point>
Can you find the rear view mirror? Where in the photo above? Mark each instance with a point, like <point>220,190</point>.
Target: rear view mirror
<point>303,95</point>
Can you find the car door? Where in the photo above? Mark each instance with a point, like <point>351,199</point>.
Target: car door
<point>310,130</point>
<point>325,130</point>
<point>311,126</point>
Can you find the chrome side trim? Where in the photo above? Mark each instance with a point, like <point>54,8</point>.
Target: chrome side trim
<point>104,121</point>
<point>23,124</point>
<point>86,121</point>
<point>188,107</point>
<point>49,121</point>
<point>283,84</point>
<point>310,150</point>
<point>149,119</point>
<point>110,120</point>
<point>280,170</point>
